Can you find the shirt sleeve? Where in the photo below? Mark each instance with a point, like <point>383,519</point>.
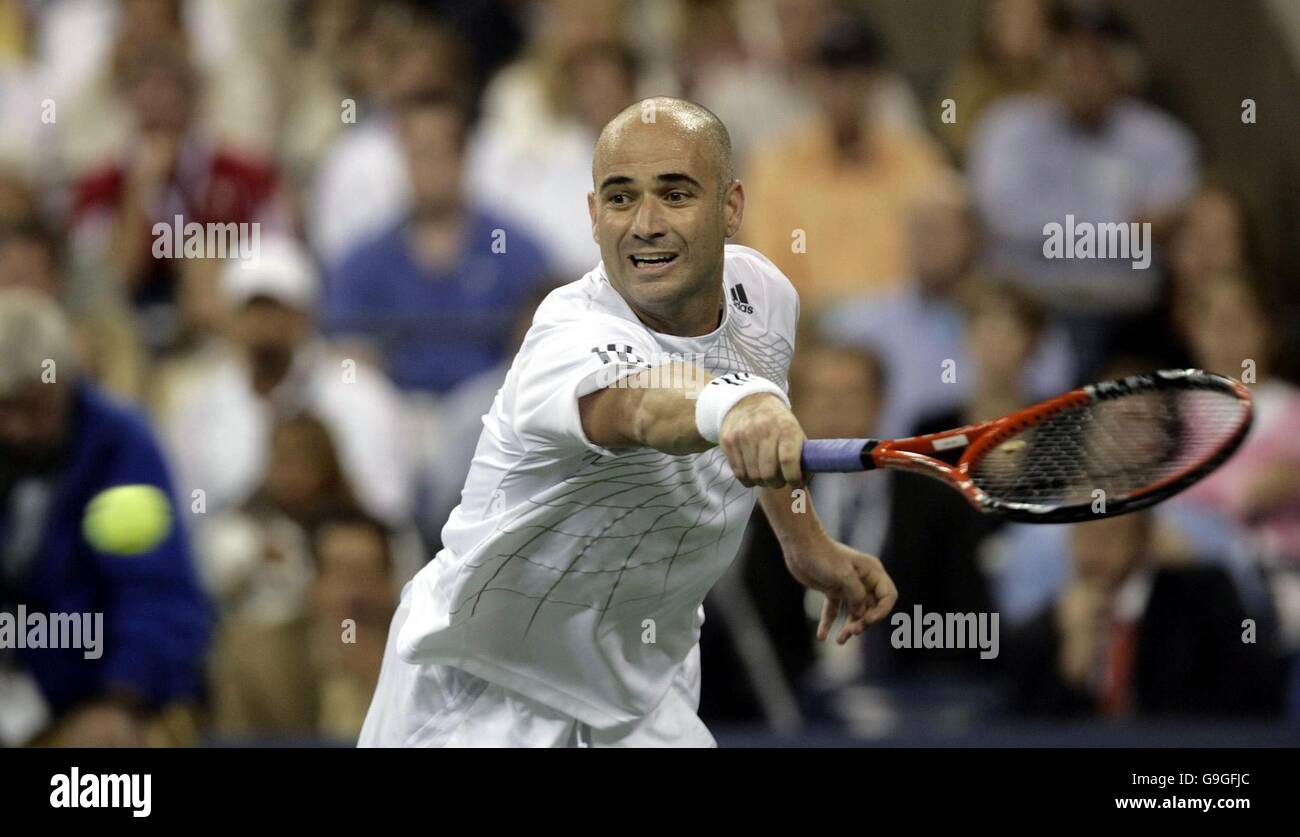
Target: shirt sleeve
<point>561,362</point>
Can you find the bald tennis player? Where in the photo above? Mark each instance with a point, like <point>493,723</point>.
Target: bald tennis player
<point>644,414</point>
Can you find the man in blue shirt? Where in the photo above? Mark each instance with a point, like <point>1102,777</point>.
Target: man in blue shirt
<point>61,443</point>
<point>435,294</point>
<point>1084,162</point>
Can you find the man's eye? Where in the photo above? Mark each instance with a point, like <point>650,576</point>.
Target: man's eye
<point>677,197</point>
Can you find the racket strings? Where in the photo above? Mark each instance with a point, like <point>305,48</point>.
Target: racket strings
<point>1119,447</point>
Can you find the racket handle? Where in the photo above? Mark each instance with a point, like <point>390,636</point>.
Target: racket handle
<point>837,455</point>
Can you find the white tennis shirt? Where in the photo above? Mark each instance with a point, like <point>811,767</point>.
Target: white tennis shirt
<point>571,573</point>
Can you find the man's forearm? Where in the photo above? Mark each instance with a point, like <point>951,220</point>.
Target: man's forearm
<point>679,408</point>
<point>652,409</point>
<point>793,519</point>
<point>665,413</point>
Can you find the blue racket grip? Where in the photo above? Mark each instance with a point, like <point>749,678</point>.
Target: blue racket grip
<point>837,455</point>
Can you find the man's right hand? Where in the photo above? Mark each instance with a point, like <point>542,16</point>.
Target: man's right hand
<point>763,442</point>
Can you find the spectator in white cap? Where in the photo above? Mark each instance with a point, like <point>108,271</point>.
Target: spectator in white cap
<point>275,365</point>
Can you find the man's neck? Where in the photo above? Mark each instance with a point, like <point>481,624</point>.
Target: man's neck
<point>438,238</point>
<point>697,321</point>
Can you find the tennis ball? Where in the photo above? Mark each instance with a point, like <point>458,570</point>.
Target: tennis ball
<point>127,519</point>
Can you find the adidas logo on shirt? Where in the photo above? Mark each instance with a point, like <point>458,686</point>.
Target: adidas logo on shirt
<point>740,300</point>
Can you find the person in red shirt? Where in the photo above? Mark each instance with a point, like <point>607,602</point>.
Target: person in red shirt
<point>170,168</point>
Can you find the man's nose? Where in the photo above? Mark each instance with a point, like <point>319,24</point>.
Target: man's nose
<point>649,222</point>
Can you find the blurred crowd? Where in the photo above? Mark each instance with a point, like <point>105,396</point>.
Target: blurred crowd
<point>417,175</point>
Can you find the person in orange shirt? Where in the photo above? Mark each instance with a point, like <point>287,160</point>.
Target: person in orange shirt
<point>827,202</point>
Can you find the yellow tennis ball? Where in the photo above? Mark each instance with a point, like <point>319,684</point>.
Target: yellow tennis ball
<point>127,519</point>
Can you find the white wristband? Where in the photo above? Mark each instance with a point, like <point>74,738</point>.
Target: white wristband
<point>723,393</point>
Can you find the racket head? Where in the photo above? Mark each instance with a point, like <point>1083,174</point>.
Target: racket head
<point>1136,440</point>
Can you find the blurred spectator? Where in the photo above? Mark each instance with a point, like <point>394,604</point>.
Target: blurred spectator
<point>1088,151</point>
<point>88,49</point>
<point>91,81</point>
<point>826,204</point>
<point>920,330</point>
<point>1013,39</point>
<point>312,670</point>
<point>750,62</point>
<point>23,132</point>
<point>542,182</point>
<point>1128,637</point>
<point>493,31</point>
<point>1231,329</point>
<point>258,564</point>
<point>1232,332</point>
<point>353,601</point>
<point>1215,234</point>
<point>362,184</point>
<point>529,99</point>
<point>331,45</point>
<point>172,169</point>
<point>450,431</point>
<point>219,422</point>
<point>256,559</point>
<point>938,567</point>
<point>62,442</point>
<point>836,393</point>
<point>18,201</point>
<point>435,291</point>
<point>107,347</point>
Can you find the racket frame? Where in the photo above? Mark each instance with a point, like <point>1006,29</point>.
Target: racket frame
<point>916,453</point>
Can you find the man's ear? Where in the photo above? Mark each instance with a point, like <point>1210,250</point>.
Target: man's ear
<point>733,208</point>
<point>591,212</point>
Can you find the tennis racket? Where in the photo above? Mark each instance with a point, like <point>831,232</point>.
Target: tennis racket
<point>1140,440</point>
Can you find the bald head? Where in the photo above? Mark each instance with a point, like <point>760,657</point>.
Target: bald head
<point>664,201</point>
<point>695,124</point>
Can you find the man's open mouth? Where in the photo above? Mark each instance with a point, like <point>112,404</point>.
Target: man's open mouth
<point>652,259</point>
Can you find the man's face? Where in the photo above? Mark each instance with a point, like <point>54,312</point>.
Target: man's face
<point>162,101</point>
<point>270,332</point>
<point>835,394</point>
<point>33,423</point>
<point>1227,327</point>
<point>1087,78</point>
<point>298,475</point>
<point>843,93</point>
<point>940,243</point>
<point>354,580</point>
<point>601,87</point>
<point>434,157</point>
<point>1000,342</point>
<point>661,215</point>
<point>25,263</point>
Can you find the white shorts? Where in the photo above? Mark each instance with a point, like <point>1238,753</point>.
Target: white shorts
<point>439,706</point>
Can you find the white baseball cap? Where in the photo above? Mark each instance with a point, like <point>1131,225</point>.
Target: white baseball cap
<point>280,268</point>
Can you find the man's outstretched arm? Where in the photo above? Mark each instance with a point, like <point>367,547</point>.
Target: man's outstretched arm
<point>667,408</point>
<point>762,441</point>
<point>848,578</point>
